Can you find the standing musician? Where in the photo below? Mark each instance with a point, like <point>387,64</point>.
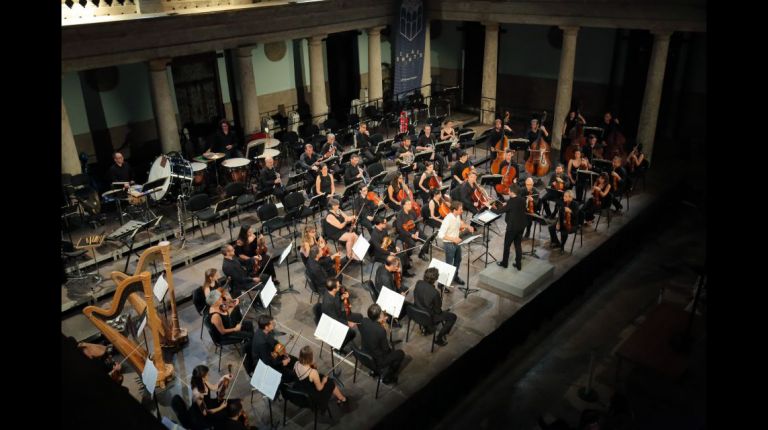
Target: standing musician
<point>579,162</point>
<point>225,140</point>
<point>333,306</point>
<point>269,180</point>
<point>568,210</point>
<point>335,227</point>
<point>232,268</point>
<point>403,163</point>
<point>263,347</point>
<point>383,246</point>
<point>427,297</point>
<point>353,172</point>
<point>252,252</point>
<point>408,231</point>
<point>450,234</point>
<point>324,185</point>
<point>373,339</point>
<point>495,135</point>
<point>430,212</point>
<point>609,125</point>
<point>330,149</point>
<point>529,193</point>
<point>120,171</point>
<point>423,187</point>
<point>559,181</point>
<point>362,141</point>
<point>517,220</point>
<point>600,196</point>
<point>572,121</point>
<point>310,162</point>
<point>426,142</point>
<point>619,180</point>
<point>393,189</point>
<point>592,150</point>
<point>458,169</point>
<point>533,134</point>
<point>447,132</point>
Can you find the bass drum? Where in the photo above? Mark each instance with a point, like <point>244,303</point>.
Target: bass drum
<point>179,173</point>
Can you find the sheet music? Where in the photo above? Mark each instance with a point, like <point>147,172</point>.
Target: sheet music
<point>266,380</point>
<point>161,288</point>
<point>360,248</point>
<point>268,292</point>
<point>331,331</point>
<point>447,271</point>
<point>149,376</point>
<point>390,301</point>
<point>470,239</point>
<point>285,253</point>
<point>487,216</point>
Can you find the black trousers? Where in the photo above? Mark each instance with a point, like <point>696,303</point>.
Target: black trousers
<point>516,237</point>
<point>390,363</point>
<point>368,156</point>
<point>581,185</point>
<point>448,319</point>
<point>550,196</point>
<point>355,318</point>
<point>553,235</point>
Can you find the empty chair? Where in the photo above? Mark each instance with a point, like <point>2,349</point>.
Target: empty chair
<point>200,207</point>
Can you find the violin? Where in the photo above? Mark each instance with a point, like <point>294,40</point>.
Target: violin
<point>398,277</point>
<point>615,183</point>
<point>386,242</point>
<point>501,146</point>
<point>262,251</point>
<point>596,195</point>
<point>345,300</point>
<point>115,374</point>
<point>279,350</point>
<point>559,184</point>
<point>337,263</point>
<point>374,198</point>
<point>409,225</point>
<point>530,204</point>
<point>224,384</point>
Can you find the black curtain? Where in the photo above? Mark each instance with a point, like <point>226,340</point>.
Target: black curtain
<point>474,49</point>
<point>343,73</point>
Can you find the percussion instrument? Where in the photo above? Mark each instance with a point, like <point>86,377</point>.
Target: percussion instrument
<point>177,170</point>
<point>199,172</point>
<point>135,197</point>
<point>214,155</point>
<point>271,143</point>
<point>237,169</point>
<point>269,152</point>
<point>250,148</point>
<point>201,159</point>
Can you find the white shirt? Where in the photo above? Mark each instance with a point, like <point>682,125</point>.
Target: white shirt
<point>450,227</point>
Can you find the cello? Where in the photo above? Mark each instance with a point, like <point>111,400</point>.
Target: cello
<point>538,162</point>
<point>507,180</point>
<point>501,147</point>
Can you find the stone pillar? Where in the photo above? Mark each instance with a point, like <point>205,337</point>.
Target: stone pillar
<point>317,79</point>
<point>490,70</point>
<point>426,74</point>
<point>375,86</point>
<point>167,128</point>
<point>646,129</point>
<point>564,83</point>
<point>70,163</point>
<point>251,118</point>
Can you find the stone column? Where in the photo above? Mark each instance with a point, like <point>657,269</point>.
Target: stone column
<point>317,79</point>
<point>490,70</point>
<point>646,129</point>
<point>564,83</point>
<point>167,128</point>
<point>426,74</point>
<point>375,86</point>
<point>70,163</point>
<point>251,119</point>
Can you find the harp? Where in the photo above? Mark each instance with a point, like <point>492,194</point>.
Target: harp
<point>139,284</point>
<point>172,337</point>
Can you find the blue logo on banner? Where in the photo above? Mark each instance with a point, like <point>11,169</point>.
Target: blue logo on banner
<point>409,46</point>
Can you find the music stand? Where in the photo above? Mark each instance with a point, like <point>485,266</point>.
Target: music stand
<point>601,166</point>
<point>540,219</point>
<point>468,241</point>
<point>226,205</point>
<point>519,144</point>
<point>491,181</point>
<point>347,155</point>
<point>443,147</point>
<point>147,225</point>
<point>284,254</point>
<point>485,219</point>
<point>120,192</point>
<point>423,156</point>
<point>295,182</point>
<point>385,146</point>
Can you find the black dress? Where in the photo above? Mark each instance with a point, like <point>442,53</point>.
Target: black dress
<point>325,187</point>
<point>303,383</point>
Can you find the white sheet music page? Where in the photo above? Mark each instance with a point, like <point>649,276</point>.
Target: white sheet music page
<point>331,331</point>
<point>469,239</point>
<point>266,380</point>
<point>487,216</point>
<point>149,376</point>
<point>285,253</point>
<point>268,292</point>
<point>161,287</point>
<point>447,271</point>
<point>360,248</point>
<point>390,301</point>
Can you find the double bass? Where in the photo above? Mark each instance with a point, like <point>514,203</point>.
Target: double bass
<point>577,139</point>
<point>501,147</point>
<point>538,162</point>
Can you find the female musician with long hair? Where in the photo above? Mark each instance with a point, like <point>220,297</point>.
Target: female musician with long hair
<point>423,187</point>
<point>312,382</point>
<point>324,184</point>
<point>393,189</point>
<point>251,250</point>
<point>309,239</point>
<point>335,225</point>
<point>578,162</point>
<point>209,409</point>
<point>600,196</point>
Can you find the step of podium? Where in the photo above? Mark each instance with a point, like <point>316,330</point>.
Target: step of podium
<point>511,282</point>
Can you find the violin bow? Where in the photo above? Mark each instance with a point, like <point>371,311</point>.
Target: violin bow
<point>248,290</point>
<point>296,341</point>
<point>232,381</point>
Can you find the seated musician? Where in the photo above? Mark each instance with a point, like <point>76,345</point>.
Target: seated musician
<point>365,209</point>
<point>526,192</point>
<point>225,141</point>
<point>333,306</point>
<point>324,258</point>
<point>385,277</point>
<point>450,234</point>
<point>393,189</point>
<point>120,171</point>
<point>580,180</point>
<point>309,380</point>
<point>447,132</point>
<point>600,196</point>
<point>231,267</point>
<point>324,185</point>
<point>458,169</point>
<point>534,133</point>
<point>236,417</point>
<point>209,409</point>
<point>403,164</point>
<point>252,252</point>
<point>592,149</point>
<point>335,226</point>
<point>263,348</point>
<point>408,231</point>
<point>558,180</point>
<point>362,142</point>
<point>354,171</point>
<point>426,142</point>
<point>422,186</point>
<point>509,160</point>
<point>310,162</point>
<point>211,283</point>
<point>331,148</point>
<point>383,246</point>
<point>495,135</point>
<point>568,208</point>
<point>373,339</point>
<point>101,355</point>
<point>619,180</point>
<point>317,272</point>
<point>222,316</point>
<point>465,192</point>
<point>430,212</point>
<point>427,297</point>
<point>269,180</point>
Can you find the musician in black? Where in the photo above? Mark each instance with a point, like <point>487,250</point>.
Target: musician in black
<point>373,338</point>
<point>362,141</point>
<point>354,171</point>
<point>332,149</point>
<point>581,180</point>
<point>422,183</point>
<point>333,306</point>
<point>609,126</point>
<point>533,193</point>
<point>365,209</point>
<point>619,182</point>
<point>225,140</point>
<point>465,191</point>
<point>270,181</point>
<point>516,220</point>
<point>430,212</point>
<point>427,297</point>
<point>427,142</point>
<point>592,148</point>
<point>385,276</point>
<point>310,162</point>
<point>557,179</point>
<point>319,268</point>
<point>410,235</point>
<point>240,280</point>
<point>571,125</point>
<point>120,171</point>
<point>568,207</point>
<point>393,189</point>
<point>325,186</point>
<point>458,169</point>
<point>495,135</point>
<point>404,166</point>
<point>263,344</point>
<point>335,226</point>
<point>509,160</point>
<point>534,133</point>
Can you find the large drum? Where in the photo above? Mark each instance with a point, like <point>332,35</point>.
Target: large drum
<point>135,197</point>
<point>179,174</point>
<point>199,173</point>
<point>236,169</point>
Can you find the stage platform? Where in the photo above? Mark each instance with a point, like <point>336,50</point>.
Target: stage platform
<point>511,282</point>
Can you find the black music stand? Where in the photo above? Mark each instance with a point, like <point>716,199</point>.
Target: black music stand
<point>541,220</point>
<point>287,263</point>
<point>443,147</point>
<point>146,226</point>
<point>423,156</point>
<point>490,218</point>
<point>468,241</point>
<point>384,147</point>
<point>601,166</point>
<point>226,205</point>
<point>347,155</point>
<point>491,181</point>
<point>518,145</point>
<point>295,181</point>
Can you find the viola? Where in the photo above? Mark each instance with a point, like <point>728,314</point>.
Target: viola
<point>398,277</point>
<point>386,242</point>
<point>530,205</point>
<point>409,225</point>
<point>345,300</point>
<point>224,384</point>
<point>262,251</point>
<point>596,195</point>
<point>559,184</point>
<point>337,263</point>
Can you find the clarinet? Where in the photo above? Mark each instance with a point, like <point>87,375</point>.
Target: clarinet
<point>179,209</point>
